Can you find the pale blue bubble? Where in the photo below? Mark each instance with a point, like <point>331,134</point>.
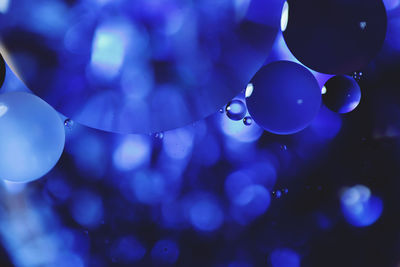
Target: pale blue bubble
<point>31,137</point>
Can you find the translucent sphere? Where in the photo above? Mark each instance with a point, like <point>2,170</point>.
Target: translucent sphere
<point>286,97</point>
<point>334,37</point>
<point>247,120</point>
<point>31,137</point>
<point>341,94</point>
<point>236,110</point>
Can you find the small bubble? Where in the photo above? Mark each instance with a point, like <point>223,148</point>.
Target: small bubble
<point>278,194</point>
<point>68,123</point>
<point>284,147</point>
<point>236,110</point>
<point>285,190</point>
<point>221,110</point>
<point>247,120</point>
<point>159,135</point>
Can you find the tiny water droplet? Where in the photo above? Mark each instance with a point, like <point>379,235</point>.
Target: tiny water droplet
<point>236,110</point>
<point>68,123</point>
<point>159,135</point>
<point>247,121</point>
<point>221,110</point>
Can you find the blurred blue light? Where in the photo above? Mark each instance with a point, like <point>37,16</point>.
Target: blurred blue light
<point>240,264</point>
<point>133,152</point>
<point>252,201</point>
<point>239,131</point>
<point>178,143</point>
<point>165,252</point>
<point>149,187</point>
<point>48,19</point>
<point>360,208</point>
<point>284,258</point>
<point>89,154</point>
<point>4,4</point>
<point>59,188</point>
<point>68,259</point>
<point>127,250</point>
<point>205,213</point>
<point>108,50</point>
<point>235,183</point>
<point>87,208</point>
<point>391,4</point>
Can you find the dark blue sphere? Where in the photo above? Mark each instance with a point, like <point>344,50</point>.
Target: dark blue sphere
<point>286,97</point>
<point>341,94</point>
<point>332,36</point>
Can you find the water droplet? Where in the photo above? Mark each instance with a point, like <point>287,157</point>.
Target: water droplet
<point>69,124</point>
<point>247,120</point>
<point>363,25</point>
<point>221,110</point>
<point>159,135</point>
<point>236,110</point>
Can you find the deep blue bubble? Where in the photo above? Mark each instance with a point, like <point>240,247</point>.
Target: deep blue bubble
<point>341,94</point>
<point>286,97</point>
<point>335,37</point>
<point>236,110</point>
<point>284,258</point>
<point>165,252</point>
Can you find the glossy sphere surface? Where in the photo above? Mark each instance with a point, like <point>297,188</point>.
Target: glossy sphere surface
<point>286,97</point>
<point>332,36</point>
<point>32,137</point>
<point>342,94</point>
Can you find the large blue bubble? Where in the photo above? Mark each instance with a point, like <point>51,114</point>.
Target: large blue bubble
<point>31,137</point>
<point>285,99</point>
<point>341,94</point>
<point>334,37</point>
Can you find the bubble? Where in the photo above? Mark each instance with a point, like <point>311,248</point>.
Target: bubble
<point>335,37</point>
<point>343,94</point>
<point>221,110</point>
<point>247,120</point>
<point>159,135</point>
<point>31,137</point>
<point>281,105</point>
<point>236,110</point>
<point>357,76</point>
<point>278,194</point>
<point>69,124</point>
